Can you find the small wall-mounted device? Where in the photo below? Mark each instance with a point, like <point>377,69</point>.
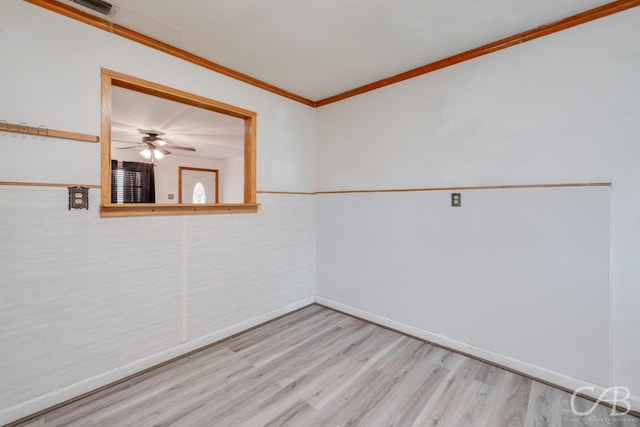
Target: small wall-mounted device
<point>100,6</point>
<point>456,200</point>
<point>78,197</point>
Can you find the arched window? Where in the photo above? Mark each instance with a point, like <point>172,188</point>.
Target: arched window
<point>199,195</point>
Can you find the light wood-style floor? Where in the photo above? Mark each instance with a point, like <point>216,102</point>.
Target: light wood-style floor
<point>317,367</point>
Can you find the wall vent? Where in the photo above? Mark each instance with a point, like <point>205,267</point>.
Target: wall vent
<point>100,6</point>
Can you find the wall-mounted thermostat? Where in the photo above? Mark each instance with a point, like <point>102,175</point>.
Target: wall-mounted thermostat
<point>78,198</point>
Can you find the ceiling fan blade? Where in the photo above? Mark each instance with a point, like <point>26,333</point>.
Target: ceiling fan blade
<point>126,142</point>
<point>126,148</point>
<point>163,150</point>
<point>177,147</point>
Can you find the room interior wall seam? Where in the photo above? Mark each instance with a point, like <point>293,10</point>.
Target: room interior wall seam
<point>612,195</point>
<point>185,279</point>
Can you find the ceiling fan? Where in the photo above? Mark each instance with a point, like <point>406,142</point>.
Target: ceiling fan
<point>155,147</point>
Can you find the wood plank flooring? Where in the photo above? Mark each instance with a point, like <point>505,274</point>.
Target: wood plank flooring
<point>317,367</point>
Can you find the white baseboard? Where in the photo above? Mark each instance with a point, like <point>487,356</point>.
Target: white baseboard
<point>48,400</point>
<point>536,372</point>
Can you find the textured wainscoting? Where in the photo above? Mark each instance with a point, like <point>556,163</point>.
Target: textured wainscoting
<point>87,300</point>
<point>272,254</point>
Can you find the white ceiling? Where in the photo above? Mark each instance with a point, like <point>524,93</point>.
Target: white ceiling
<point>319,48</point>
<point>213,135</point>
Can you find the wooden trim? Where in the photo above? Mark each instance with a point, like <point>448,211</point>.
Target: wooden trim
<point>73,13</point>
<point>406,190</point>
<point>488,362</point>
<point>146,209</point>
<point>25,129</point>
<point>46,184</point>
<point>188,168</point>
<point>194,59</point>
<point>480,187</point>
<point>250,160</point>
<point>156,89</point>
<point>72,135</point>
<point>111,78</point>
<point>563,24</point>
<point>105,124</point>
<point>23,420</point>
<point>525,36</point>
<point>304,193</point>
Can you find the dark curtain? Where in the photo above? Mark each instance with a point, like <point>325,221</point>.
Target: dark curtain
<point>132,182</point>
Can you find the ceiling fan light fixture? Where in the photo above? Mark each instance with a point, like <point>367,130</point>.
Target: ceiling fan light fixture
<point>158,154</point>
<point>146,153</point>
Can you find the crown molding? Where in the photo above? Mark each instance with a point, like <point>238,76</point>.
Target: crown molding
<point>73,13</point>
<point>544,30</point>
<point>525,36</point>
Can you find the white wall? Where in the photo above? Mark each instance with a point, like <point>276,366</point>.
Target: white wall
<point>520,273</point>
<point>86,300</point>
<point>232,180</point>
<point>560,109</point>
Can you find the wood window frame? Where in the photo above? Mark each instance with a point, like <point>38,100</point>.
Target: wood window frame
<point>111,78</point>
